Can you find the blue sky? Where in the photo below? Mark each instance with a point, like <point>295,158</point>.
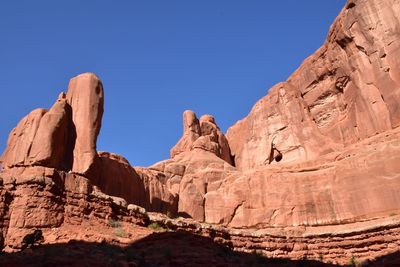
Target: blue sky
<point>155,59</point>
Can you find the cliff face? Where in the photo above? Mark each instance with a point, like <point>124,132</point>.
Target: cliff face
<point>334,123</point>
<point>348,90</point>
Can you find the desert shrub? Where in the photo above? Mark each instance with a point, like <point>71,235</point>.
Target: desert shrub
<point>156,227</point>
<point>120,232</point>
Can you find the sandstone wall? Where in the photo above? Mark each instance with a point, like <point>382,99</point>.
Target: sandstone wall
<point>348,90</point>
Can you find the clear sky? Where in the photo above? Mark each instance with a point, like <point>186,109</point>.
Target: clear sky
<point>155,59</point>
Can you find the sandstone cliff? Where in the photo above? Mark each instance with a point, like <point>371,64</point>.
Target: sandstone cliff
<point>348,90</point>
<point>335,190</point>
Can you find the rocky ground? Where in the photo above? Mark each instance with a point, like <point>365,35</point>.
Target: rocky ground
<point>116,243</point>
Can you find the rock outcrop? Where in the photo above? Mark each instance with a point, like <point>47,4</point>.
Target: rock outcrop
<point>330,120</point>
<point>146,188</point>
<point>37,197</point>
<point>86,97</point>
<point>348,90</point>
<point>359,183</point>
<point>204,135</point>
<point>41,138</point>
<point>359,243</point>
<point>335,191</point>
<point>63,137</point>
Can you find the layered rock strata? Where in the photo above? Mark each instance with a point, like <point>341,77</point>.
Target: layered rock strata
<point>348,90</point>
<point>335,191</point>
<point>362,242</point>
<point>44,198</point>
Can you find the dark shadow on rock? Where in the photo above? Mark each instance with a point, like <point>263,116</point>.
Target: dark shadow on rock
<point>387,260</point>
<point>184,214</point>
<point>118,178</point>
<point>157,249</point>
<point>70,142</point>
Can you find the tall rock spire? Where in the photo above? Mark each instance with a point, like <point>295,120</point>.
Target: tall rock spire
<point>86,97</point>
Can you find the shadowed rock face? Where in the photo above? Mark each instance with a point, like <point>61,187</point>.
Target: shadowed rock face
<point>141,186</point>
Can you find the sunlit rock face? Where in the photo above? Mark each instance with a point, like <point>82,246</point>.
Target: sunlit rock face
<point>64,137</point>
<point>41,138</point>
<point>203,134</point>
<point>86,97</point>
<point>335,123</point>
<point>348,90</point>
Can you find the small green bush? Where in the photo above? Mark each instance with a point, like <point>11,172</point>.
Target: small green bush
<point>120,232</point>
<point>156,227</point>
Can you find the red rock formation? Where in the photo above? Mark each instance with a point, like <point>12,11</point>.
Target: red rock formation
<point>204,135</point>
<point>361,242</point>
<point>348,90</point>
<point>336,121</point>
<point>41,138</point>
<point>357,184</point>
<point>65,137</point>
<point>191,131</point>
<point>325,119</point>
<point>140,186</point>
<point>40,197</point>
<point>86,97</point>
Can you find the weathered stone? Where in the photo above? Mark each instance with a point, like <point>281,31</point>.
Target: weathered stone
<point>138,186</point>
<point>21,138</point>
<point>51,146</point>
<point>86,97</point>
<point>348,90</point>
<point>41,138</point>
<point>203,134</point>
<point>334,194</point>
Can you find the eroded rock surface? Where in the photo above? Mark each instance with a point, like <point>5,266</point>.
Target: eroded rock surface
<point>335,191</point>
<point>41,138</point>
<point>203,134</point>
<point>348,90</point>
<point>37,197</point>
<point>63,137</point>
<point>86,97</point>
<point>143,187</point>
